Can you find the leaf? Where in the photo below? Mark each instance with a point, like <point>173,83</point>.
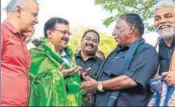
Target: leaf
<point>108,21</point>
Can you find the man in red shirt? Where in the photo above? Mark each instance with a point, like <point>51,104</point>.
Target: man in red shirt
<point>15,58</point>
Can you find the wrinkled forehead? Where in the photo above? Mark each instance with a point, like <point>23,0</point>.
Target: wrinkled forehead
<point>31,4</point>
<point>164,10</point>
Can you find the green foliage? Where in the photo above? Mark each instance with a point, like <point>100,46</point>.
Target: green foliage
<point>142,7</point>
<point>107,43</point>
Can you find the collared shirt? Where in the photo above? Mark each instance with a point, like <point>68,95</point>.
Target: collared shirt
<point>92,62</point>
<point>143,66</point>
<point>15,64</point>
<point>165,54</point>
<point>65,57</point>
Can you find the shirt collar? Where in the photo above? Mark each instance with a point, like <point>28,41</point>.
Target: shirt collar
<point>79,55</point>
<point>162,43</point>
<point>63,53</point>
<point>10,26</point>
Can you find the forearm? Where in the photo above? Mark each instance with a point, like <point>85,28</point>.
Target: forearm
<point>120,82</point>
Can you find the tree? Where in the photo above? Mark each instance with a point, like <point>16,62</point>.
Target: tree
<point>142,7</point>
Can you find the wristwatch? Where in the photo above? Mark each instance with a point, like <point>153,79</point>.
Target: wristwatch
<point>100,86</point>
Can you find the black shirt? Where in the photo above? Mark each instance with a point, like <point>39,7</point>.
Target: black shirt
<point>143,66</point>
<point>165,54</point>
<point>93,62</point>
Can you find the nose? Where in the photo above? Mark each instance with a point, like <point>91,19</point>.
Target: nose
<point>162,20</point>
<point>36,20</point>
<point>114,32</point>
<point>67,35</point>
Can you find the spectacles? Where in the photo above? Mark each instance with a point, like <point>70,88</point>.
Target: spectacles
<point>64,32</point>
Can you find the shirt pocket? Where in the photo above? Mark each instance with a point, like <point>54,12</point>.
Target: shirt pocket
<point>115,67</point>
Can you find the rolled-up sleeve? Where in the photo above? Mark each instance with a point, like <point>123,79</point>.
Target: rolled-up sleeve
<point>144,66</point>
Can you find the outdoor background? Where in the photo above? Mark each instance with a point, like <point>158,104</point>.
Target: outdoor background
<point>95,14</point>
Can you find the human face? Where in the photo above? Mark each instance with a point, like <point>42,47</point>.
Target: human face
<point>121,32</point>
<point>60,35</point>
<point>89,44</point>
<point>28,15</point>
<point>164,20</point>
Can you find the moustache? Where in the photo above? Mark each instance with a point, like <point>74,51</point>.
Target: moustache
<point>165,25</point>
<point>65,39</point>
<point>89,44</point>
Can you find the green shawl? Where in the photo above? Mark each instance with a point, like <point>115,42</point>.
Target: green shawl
<point>48,86</point>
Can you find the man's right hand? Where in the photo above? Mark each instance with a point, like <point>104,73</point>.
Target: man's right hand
<point>71,71</point>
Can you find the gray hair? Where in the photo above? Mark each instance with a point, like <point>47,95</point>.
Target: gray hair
<point>13,3</point>
<point>162,3</point>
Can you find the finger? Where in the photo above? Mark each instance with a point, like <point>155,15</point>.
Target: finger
<point>84,76</point>
<point>169,83</point>
<point>164,74</point>
<point>75,70</point>
<point>83,85</point>
<point>89,78</point>
<point>88,70</point>
<point>166,78</point>
<point>70,70</point>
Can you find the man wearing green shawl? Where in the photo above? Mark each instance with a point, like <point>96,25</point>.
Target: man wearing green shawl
<point>53,83</point>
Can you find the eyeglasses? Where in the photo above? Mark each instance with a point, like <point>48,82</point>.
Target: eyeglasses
<point>64,32</point>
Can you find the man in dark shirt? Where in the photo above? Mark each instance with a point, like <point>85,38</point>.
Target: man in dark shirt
<point>86,57</point>
<point>123,77</point>
<point>164,19</point>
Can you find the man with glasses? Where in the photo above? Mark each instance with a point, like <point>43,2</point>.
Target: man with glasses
<point>15,59</point>
<point>53,81</point>
<point>123,77</point>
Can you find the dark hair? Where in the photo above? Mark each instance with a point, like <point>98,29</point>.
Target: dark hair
<point>50,24</point>
<point>91,30</point>
<point>134,19</point>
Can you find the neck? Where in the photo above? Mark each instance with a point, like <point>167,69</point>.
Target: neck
<point>58,50</point>
<point>13,21</point>
<point>168,41</point>
<point>133,40</point>
<point>84,56</point>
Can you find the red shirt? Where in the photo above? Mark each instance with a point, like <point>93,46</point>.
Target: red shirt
<point>15,64</point>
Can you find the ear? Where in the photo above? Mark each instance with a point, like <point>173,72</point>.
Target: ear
<point>18,11</point>
<point>49,33</point>
<point>132,29</point>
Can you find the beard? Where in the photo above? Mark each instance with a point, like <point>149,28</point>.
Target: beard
<point>166,31</point>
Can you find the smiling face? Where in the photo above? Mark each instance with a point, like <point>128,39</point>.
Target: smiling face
<point>59,36</point>
<point>164,20</point>
<point>28,15</point>
<point>121,33</point>
<point>89,44</point>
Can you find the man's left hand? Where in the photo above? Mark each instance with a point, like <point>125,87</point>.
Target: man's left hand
<point>90,85</point>
<point>169,77</point>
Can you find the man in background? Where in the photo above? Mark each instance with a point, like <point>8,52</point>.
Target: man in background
<point>86,57</point>
<point>164,20</point>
